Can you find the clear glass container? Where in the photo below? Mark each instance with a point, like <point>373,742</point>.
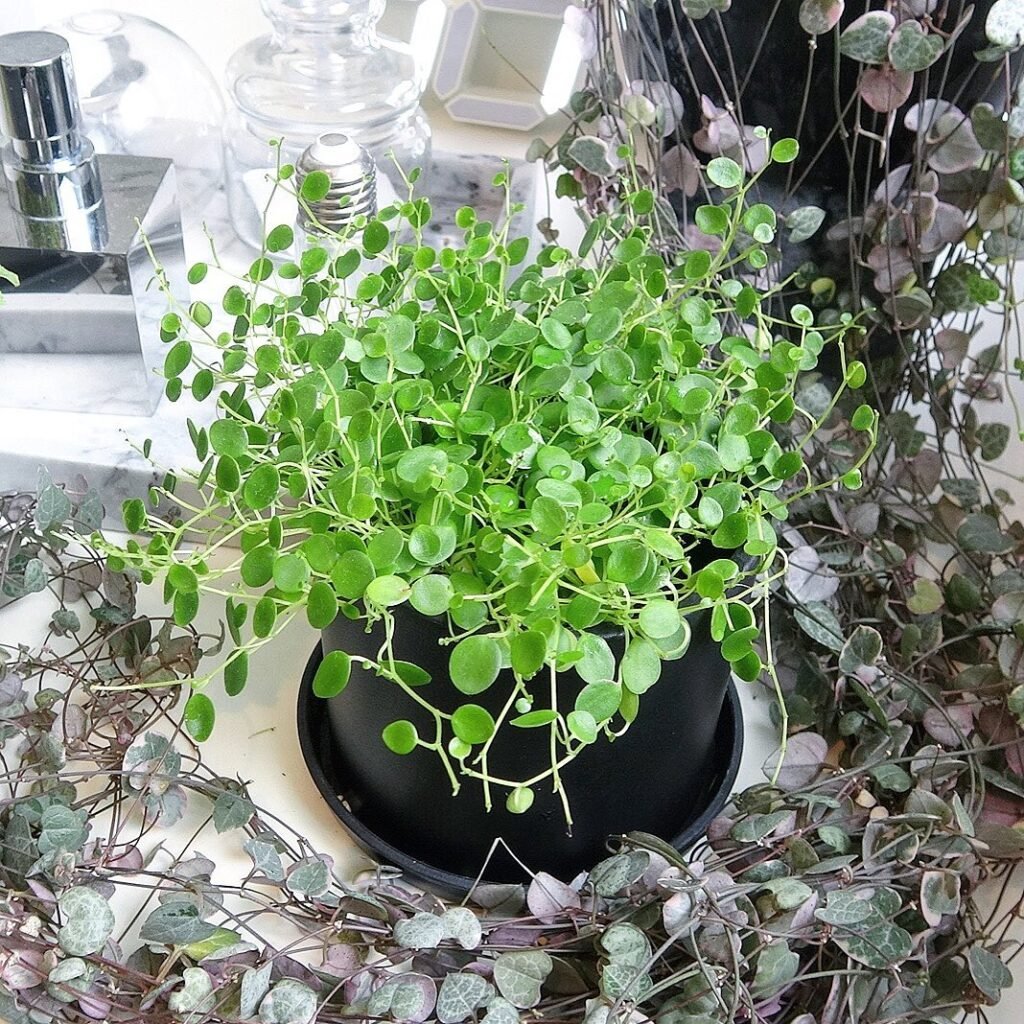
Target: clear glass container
<point>323,68</point>
<point>145,92</point>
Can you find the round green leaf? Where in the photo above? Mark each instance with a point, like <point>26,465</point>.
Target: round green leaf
<point>597,664</point>
<point>725,173</point>
<point>583,726</point>
<point>748,668</point>
<point>473,724</point>
<point>458,749</point>
<point>474,664</point>
<point>737,645</point>
<point>627,562</point>
<point>321,605</point>
<point>519,801</point>
<point>291,572</point>
<point>711,220</point>
<point>732,532</point>
<point>332,675</point>
<point>387,591</point>
<point>264,616</point>
<point>863,418</point>
<point>282,236</point>
<point>420,464</point>
<point>556,333</point>
<point>548,516</point>
<point>262,487</point>
<point>528,651</point>
<point>177,359</point>
<point>227,474</point>
<point>352,574</point>
<point>582,416</point>
<point>659,618</point>
<point>641,664</point>
<point>258,566</point>
<point>228,437</point>
<point>734,452</point>
<point>133,512</point>
<point>709,511</point>
<point>604,325</point>
<point>199,717</point>
<point>182,578</point>
<point>186,606</point>
<point>236,672</point>
<point>375,237</point>
<point>385,548</point>
<point>785,151</point>
<point>315,186</point>
<point>400,737</point>
<point>600,700</point>
<point>234,302</point>
<point>320,551</point>
<point>431,595</point>
<point>432,544</point>
<point>787,465</point>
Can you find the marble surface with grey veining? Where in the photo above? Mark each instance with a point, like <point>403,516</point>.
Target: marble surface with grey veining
<point>106,449</point>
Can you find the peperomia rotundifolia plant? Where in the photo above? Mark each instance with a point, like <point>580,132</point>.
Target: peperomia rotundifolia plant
<point>589,445</point>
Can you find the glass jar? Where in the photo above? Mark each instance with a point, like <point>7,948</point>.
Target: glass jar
<point>323,68</point>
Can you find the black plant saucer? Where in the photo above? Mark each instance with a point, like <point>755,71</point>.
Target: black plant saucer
<point>319,752</point>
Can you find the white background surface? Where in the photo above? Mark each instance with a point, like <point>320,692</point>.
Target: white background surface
<point>273,763</point>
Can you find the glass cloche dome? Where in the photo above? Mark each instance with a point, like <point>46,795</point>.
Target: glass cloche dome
<point>146,92</point>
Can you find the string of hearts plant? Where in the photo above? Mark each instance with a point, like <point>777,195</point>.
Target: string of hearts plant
<point>837,895</point>
<point>531,456</point>
<point>906,203</point>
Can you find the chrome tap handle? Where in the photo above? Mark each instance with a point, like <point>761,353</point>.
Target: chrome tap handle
<point>49,164</point>
<point>39,109</point>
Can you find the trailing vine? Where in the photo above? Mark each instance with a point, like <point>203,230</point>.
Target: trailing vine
<point>844,891</point>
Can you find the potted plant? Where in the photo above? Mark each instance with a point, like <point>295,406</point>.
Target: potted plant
<point>531,518</point>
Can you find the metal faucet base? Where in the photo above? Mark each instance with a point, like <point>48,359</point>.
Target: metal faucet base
<point>82,330</point>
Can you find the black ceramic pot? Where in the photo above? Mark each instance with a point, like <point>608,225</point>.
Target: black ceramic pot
<point>659,777</point>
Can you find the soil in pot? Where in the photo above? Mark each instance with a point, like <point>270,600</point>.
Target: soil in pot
<point>655,778</point>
